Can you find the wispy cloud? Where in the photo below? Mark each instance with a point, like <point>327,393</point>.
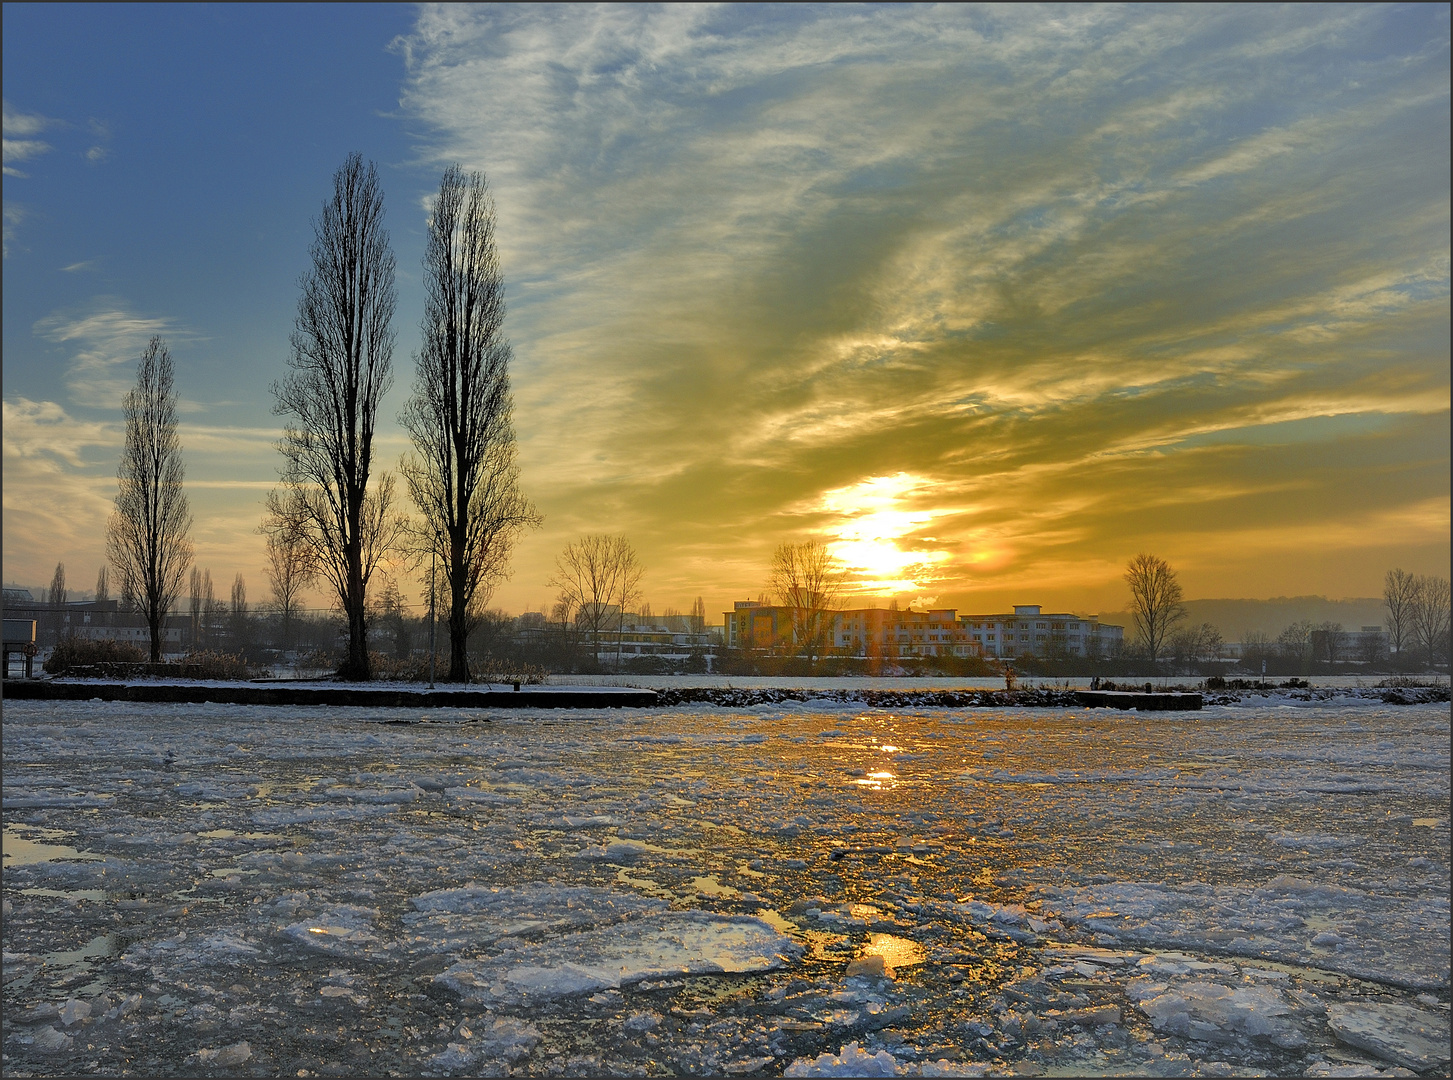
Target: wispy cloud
<point>59,483</point>
<point>756,255</point>
<point>105,338</point>
<point>18,144</point>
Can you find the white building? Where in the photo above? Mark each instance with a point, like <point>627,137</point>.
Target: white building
<point>1030,631</point>
<point>880,632</point>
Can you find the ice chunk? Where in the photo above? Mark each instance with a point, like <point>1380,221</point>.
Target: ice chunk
<point>509,1040</point>
<point>671,943</point>
<point>641,1022</point>
<point>448,920</point>
<point>343,928</point>
<point>616,851</point>
<point>235,1054</point>
<point>851,1060</point>
<point>50,1040</point>
<point>74,1011</point>
<point>455,1056</point>
<point>942,1067</point>
<point>1397,1033</point>
<point>1216,1013</point>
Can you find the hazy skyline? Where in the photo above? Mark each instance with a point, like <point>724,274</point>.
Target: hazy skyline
<point>990,298</point>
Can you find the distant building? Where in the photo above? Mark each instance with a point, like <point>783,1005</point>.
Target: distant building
<point>94,620</point>
<point>1030,631</point>
<point>670,637</point>
<point>883,632</point>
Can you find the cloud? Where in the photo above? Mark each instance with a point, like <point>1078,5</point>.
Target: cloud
<point>58,488</point>
<point>105,339</point>
<point>18,146</point>
<point>755,256</point>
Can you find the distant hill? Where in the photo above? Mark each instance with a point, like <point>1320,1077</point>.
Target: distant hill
<point>1235,617</point>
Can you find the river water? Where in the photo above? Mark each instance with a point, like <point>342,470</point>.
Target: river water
<point>802,889</point>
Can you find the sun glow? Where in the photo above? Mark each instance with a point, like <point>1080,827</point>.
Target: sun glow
<point>874,530</point>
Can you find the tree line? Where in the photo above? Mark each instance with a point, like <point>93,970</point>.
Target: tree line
<point>334,516</point>
<point>1417,623</point>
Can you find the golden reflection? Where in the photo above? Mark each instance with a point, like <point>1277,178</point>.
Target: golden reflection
<point>872,530</point>
<point>896,952</point>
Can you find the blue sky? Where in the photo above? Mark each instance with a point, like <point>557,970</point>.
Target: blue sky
<point>990,298</point>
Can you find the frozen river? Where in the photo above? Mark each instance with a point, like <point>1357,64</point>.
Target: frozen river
<point>1245,890</point>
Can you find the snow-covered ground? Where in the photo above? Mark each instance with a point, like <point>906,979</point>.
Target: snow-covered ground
<point>817,890</point>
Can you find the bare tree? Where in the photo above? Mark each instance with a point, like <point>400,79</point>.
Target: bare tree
<point>211,610</point>
<point>240,636</point>
<point>147,537</point>
<point>1155,600</point>
<point>463,476</point>
<point>1430,618</point>
<point>393,615</point>
<point>807,579</point>
<point>1329,641</point>
<point>58,593</point>
<point>1295,640</point>
<point>56,601</point>
<point>1196,643</point>
<point>1256,647</point>
<point>200,592</point>
<point>103,585</point>
<point>698,617</point>
<point>342,350</point>
<point>598,576</point>
<point>1400,595</point>
<point>289,570</point>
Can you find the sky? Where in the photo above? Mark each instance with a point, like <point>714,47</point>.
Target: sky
<point>988,299</point>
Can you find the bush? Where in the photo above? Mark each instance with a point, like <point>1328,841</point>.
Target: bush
<point>73,652</point>
<point>416,669</point>
<point>509,671</point>
<point>86,659</point>
<point>211,665</point>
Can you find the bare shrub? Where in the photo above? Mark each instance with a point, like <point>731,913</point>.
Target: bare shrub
<point>82,652</point>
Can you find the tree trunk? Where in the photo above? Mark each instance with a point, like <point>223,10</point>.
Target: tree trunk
<point>357,667</point>
<point>458,615</point>
<point>153,621</point>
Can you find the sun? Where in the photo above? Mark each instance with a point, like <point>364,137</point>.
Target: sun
<point>874,530</point>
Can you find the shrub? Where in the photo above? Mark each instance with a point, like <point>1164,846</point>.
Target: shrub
<point>408,669</point>
<point>210,665</point>
<point>75,652</point>
<point>509,671</point>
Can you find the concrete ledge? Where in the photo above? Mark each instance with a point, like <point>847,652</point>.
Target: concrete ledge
<point>1138,699</point>
<point>532,698</point>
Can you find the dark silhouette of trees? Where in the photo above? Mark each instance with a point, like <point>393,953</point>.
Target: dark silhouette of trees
<point>1400,595</point>
<point>289,571</point>
<point>1430,617</point>
<point>806,579</point>
<point>463,476</point>
<point>598,577</point>
<point>147,537</point>
<point>1155,600</point>
<point>58,593</point>
<point>342,351</point>
<point>202,601</point>
<point>103,585</point>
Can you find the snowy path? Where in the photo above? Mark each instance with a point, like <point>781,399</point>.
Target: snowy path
<point>223,888</point>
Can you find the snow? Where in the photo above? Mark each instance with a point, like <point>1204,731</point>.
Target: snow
<point>1259,886</point>
<point>1402,1034</point>
<point>655,946</point>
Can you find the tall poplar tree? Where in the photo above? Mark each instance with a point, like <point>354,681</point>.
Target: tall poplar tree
<point>462,475</point>
<point>147,538</point>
